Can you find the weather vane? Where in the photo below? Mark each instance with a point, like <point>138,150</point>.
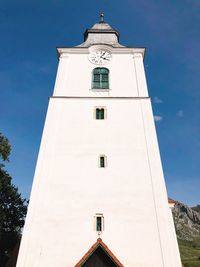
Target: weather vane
<point>101,17</point>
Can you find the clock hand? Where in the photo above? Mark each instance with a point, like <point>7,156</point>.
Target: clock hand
<point>103,54</point>
<point>103,57</point>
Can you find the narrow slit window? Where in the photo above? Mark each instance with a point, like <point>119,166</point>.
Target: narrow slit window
<point>99,223</point>
<point>102,161</point>
<point>100,113</point>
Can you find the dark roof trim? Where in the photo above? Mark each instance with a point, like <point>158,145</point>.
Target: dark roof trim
<point>99,243</point>
<point>100,32</point>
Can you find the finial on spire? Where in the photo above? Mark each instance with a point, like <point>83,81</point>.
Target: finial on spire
<point>102,17</point>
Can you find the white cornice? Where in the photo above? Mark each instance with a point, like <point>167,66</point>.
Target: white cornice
<point>114,50</point>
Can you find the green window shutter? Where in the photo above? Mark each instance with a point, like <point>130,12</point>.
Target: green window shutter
<point>102,113</point>
<point>99,224</point>
<point>104,85</point>
<point>97,71</point>
<point>96,78</point>
<point>104,77</point>
<point>104,71</point>
<point>100,78</point>
<point>99,113</point>
<point>96,85</point>
<point>102,162</point>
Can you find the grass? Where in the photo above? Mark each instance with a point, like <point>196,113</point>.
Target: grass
<point>190,253</point>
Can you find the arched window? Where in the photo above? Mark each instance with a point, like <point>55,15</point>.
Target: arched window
<point>100,113</point>
<point>100,78</point>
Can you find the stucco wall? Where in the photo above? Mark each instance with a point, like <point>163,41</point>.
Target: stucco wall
<point>69,187</point>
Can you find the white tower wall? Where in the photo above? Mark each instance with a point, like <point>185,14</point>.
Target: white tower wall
<point>69,187</point>
<point>127,78</point>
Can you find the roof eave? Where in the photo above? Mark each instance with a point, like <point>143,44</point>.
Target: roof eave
<point>100,32</point>
<point>98,243</point>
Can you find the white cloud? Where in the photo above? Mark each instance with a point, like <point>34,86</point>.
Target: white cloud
<point>157,100</point>
<point>179,113</point>
<point>158,118</point>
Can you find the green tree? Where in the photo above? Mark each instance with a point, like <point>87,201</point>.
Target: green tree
<point>5,149</point>
<point>12,207</point>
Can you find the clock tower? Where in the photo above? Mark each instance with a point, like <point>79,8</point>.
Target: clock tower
<point>99,197</point>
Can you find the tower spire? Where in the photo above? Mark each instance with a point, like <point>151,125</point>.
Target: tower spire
<point>101,17</point>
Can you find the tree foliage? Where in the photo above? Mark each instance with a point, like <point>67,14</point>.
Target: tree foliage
<point>12,207</point>
<point>5,148</point>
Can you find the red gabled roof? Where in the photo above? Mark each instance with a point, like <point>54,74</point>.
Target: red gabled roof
<point>98,243</point>
<point>171,201</point>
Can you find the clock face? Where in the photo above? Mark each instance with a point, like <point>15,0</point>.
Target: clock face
<point>100,57</point>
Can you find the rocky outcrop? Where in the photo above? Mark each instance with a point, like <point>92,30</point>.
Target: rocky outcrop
<point>197,208</point>
<point>187,222</point>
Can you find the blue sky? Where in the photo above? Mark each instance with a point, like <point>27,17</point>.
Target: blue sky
<point>30,32</point>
